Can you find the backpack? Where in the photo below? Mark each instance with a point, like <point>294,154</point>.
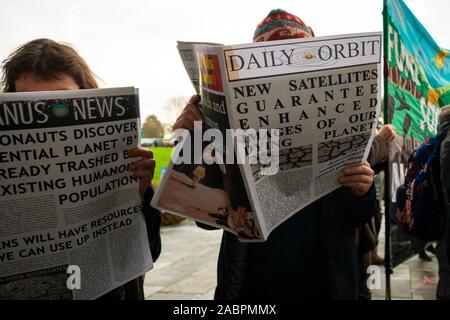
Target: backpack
<point>421,207</point>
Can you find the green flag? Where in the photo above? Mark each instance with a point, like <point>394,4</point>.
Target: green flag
<point>417,84</point>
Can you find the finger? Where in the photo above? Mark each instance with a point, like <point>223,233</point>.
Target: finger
<point>143,164</point>
<point>140,152</point>
<point>183,123</point>
<point>198,116</point>
<point>187,118</point>
<point>391,129</point>
<point>190,115</point>
<point>356,178</point>
<point>356,168</point>
<point>363,169</point>
<point>195,99</point>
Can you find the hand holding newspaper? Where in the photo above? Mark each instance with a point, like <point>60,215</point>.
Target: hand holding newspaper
<point>282,119</point>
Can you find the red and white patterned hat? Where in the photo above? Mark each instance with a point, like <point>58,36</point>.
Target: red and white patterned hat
<point>280,25</point>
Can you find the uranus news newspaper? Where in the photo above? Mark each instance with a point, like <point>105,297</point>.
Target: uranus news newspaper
<point>318,99</point>
<point>67,198</point>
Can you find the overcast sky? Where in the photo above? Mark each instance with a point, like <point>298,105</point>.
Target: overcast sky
<point>133,42</point>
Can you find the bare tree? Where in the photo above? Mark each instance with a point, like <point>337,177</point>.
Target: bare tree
<point>173,108</point>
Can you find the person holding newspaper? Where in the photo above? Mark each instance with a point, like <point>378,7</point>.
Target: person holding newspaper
<point>313,255</point>
<point>46,65</point>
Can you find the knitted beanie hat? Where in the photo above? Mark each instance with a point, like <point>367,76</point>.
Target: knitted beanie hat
<point>280,25</point>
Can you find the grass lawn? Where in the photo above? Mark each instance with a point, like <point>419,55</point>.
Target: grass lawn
<point>162,156</point>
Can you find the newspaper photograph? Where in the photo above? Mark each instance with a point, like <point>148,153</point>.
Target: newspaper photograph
<point>188,53</point>
<point>67,198</point>
<point>311,105</point>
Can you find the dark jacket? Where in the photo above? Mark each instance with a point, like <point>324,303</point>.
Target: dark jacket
<point>445,174</point>
<point>279,267</point>
<point>134,290</point>
<point>443,248</point>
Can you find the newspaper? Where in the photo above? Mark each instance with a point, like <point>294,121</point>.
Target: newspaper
<point>68,204</point>
<point>320,100</point>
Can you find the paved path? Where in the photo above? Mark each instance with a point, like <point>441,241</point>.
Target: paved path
<point>186,269</point>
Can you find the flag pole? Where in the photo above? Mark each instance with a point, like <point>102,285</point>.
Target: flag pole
<point>387,177</point>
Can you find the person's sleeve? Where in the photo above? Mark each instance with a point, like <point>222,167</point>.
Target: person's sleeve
<point>378,152</point>
<point>153,222</point>
<point>356,211</point>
